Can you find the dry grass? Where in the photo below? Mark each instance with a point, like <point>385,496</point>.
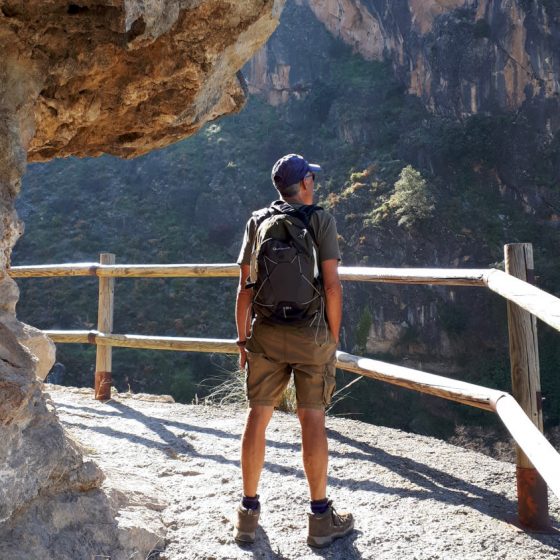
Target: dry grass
<point>232,391</point>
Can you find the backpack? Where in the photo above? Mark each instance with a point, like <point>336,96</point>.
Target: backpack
<point>287,287</point>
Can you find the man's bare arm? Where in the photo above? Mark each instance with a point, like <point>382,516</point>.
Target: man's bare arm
<point>243,311</point>
<point>333,295</point>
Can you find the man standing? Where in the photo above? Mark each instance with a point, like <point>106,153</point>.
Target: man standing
<point>270,349</point>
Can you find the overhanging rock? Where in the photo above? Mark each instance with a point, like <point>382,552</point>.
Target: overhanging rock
<point>127,76</point>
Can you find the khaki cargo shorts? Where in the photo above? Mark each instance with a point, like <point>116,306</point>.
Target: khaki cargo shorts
<point>274,351</point>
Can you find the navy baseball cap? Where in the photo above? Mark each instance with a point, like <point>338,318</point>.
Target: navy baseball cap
<point>291,169</point>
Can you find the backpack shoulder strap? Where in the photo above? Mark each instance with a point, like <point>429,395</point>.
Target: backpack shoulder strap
<point>308,211</point>
<point>258,217</point>
<point>261,215</point>
<point>302,214</point>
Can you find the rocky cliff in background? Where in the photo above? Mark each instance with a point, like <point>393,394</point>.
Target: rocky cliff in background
<point>461,57</point>
<point>86,78</point>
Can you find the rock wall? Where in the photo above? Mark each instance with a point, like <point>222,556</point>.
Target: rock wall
<point>279,70</point>
<point>358,24</point>
<point>461,57</point>
<point>81,79</point>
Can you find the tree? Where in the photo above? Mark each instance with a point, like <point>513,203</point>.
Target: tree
<point>410,202</point>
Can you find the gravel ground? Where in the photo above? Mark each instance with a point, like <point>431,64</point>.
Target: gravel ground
<point>413,497</point>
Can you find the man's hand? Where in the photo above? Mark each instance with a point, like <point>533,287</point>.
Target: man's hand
<point>243,313</point>
<point>242,357</point>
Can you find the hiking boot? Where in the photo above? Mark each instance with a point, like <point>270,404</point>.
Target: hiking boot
<point>245,526</point>
<point>324,528</point>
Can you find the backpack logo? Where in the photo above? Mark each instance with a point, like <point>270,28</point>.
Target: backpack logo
<point>287,287</point>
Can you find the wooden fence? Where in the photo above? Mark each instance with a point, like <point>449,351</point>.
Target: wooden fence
<point>538,463</point>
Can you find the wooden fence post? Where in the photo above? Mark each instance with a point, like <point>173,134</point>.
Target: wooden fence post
<point>103,359</point>
<point>532,494</point>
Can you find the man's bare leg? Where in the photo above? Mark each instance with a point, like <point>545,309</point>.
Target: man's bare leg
<point>253,447</point>
<point>315,451</point>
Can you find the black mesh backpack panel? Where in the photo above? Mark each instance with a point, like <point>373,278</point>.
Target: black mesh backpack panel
<point>284,266</point>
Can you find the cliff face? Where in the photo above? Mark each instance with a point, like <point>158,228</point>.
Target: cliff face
<point>86,78</point>
<point>461,57</point>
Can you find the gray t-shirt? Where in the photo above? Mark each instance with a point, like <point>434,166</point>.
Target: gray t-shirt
<point>322,224</point>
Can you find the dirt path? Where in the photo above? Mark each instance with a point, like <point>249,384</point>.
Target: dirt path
<point>174,468</point>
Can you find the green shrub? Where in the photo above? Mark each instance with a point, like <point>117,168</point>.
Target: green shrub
<point>410,202</point>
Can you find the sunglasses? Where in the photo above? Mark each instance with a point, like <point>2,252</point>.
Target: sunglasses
<point>310,174</point>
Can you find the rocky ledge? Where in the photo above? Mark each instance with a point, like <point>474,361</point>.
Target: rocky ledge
<point>125,76</point>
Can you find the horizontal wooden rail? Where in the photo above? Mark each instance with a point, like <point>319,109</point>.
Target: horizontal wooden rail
<point>451,389</point>
<point>444,387</point>
<point>538,302</point>
<point>182,344</point>
<point>449,277</point>
<point>543,456</point>
<point>537,448</point>
<point>53,270</point>
<point>127,271</point>
<point>432,276</point>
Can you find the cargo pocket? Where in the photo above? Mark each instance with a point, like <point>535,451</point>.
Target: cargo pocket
<point>249,356</point>
<point>329,384</point>
<point>253,359</point>
<point>257,368</point>
<point>245,374</point>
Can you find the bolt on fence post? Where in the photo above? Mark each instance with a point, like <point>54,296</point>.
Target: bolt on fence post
<point>104,356</point>
<point>532,496</point>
